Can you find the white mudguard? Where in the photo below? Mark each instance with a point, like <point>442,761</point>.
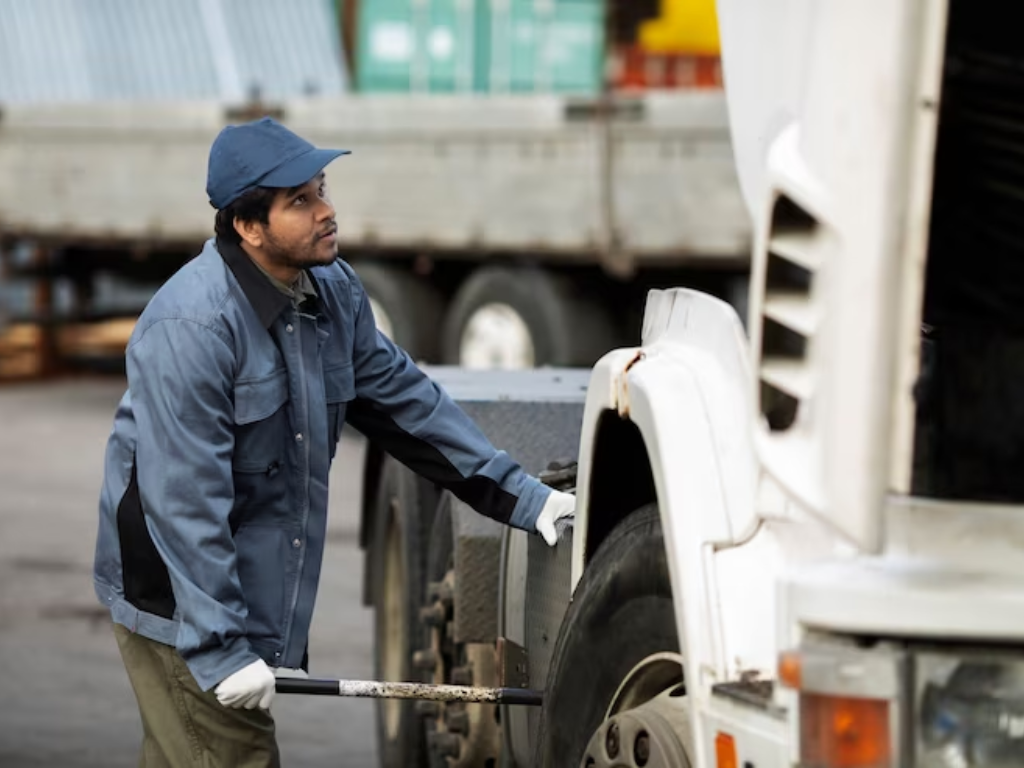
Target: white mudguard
<point>686,389</point>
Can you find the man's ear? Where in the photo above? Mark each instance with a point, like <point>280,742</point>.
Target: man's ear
<point>251,232</point>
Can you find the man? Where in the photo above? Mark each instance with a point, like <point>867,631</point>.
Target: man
<point>241,372</point>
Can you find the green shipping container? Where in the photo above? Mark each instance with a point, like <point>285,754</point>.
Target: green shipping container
<point>546,46</point>
<point>418,46</point>
<point>462,46</point>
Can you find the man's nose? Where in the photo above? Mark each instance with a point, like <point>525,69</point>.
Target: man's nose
<point>326,209</point>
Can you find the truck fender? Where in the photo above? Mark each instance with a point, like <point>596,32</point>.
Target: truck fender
<point>685,390</point>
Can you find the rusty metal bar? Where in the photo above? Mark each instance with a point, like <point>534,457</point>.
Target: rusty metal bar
<point>370,689</point>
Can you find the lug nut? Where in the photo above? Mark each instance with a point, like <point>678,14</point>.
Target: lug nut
<point>428,709</point>
<point>611,743</point>
<point>642,749</point>
<point>433,615</point>
<point>441,591</point>
<point>425,659</point>
<point>457,721</point>
<point>444,744</point>
<point>462,676</point>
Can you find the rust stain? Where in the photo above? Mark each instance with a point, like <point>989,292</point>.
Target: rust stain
<point>636,359</point>
<point>420,691</point>
<point>624,383</point>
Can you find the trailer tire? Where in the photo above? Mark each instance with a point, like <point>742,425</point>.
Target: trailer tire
<point>622,613</point>
<point>548,321</point>
<point>403,522</point>
<point>407,307</point>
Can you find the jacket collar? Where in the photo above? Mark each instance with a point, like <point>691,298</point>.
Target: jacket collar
<point>266,299</point>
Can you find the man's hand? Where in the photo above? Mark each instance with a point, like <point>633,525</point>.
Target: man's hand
<point>560,505</point>
<point>249,687</point>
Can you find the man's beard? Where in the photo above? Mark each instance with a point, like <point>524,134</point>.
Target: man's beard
<point>298,257</point>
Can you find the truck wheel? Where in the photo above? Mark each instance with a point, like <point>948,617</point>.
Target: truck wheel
<point>458,735</point>
<point>398,594</point>
<point>407,308</point>
<point>510,318</point>
<point>620,615</point>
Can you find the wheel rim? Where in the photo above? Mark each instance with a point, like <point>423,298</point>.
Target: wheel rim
<point>657,673</point>
<point>648,722</point>
<point>496,337</point>
<point>394,625</point>
<point>382,319</point>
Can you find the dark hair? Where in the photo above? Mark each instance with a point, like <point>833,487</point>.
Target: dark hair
<point>254,205</point>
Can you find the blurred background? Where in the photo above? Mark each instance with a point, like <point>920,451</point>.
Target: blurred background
<point>523,172</point>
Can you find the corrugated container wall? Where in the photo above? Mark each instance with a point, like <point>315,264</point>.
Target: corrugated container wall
<point>417,45</point>
<point>489,46</point>
<point>88,50</point>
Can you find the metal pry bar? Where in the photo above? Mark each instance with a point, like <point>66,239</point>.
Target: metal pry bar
<point>371,689</point>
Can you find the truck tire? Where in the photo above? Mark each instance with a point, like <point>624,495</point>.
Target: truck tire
<point>406,307</point>
<point>621,613</point>
<point>508,318</point>
<point>398,594</point>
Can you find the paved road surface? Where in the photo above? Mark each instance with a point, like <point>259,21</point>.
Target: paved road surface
<point>64,697</point>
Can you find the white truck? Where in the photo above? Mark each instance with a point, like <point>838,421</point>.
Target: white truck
<point>798,544</point>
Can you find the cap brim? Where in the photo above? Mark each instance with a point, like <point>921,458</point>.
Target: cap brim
<point>301,169</point>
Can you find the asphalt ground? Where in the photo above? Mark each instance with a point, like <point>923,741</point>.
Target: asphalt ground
<point>64,696</point>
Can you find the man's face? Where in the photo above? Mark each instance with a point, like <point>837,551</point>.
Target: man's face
<point>302,231</point>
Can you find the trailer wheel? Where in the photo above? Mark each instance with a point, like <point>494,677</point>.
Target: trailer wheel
<point>509,318</point>
<point>407,308</point>
<point>458,735</point>
<point>398,593</point>
<point>621,614</point>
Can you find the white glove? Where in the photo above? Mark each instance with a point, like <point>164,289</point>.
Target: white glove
<point>248,687</point>
<point>558,506</point>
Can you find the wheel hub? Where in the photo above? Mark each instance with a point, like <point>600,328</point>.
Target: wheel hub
<point>461,735</point>
<point>648,722</point>
<point>645,737</point>
<point>496,336</point>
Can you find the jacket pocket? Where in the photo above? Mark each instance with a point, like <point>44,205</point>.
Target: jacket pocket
<point>260,453</point>
<point>262,553</point>
<point>339,389</point>
<point>260,421</point>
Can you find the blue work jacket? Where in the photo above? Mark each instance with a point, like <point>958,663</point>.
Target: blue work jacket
<point>213,510</point>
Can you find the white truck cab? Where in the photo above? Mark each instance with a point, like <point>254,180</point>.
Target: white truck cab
<point>838,486</point>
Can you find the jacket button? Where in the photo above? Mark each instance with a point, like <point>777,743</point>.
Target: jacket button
<point>289,328</point>
<point>298,438</point>
<point>296,543</point>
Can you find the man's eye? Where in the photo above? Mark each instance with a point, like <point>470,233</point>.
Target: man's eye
<point>300,200</point>
<point>323,190</point>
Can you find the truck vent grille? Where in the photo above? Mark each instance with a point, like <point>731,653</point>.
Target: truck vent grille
<point>789,319</point>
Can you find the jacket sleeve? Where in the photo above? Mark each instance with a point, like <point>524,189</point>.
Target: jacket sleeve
<point>180,375</point>
<point>402,410</point>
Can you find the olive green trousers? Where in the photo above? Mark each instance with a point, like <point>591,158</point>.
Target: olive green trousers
<point>183,726</point>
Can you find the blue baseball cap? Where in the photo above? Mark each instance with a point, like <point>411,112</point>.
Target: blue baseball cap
<point>262,153</point>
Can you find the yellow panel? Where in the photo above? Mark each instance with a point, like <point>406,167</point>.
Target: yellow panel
<point>684,26</point>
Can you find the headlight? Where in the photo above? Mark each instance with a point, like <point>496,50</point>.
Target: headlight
<point>849,705</point>
<point>969,712</point>
<point>898,705</point>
